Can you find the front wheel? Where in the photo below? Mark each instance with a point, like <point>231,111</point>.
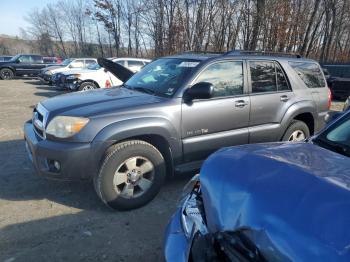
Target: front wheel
<point>87,86</point>
<point>297,131</point>
<point>6,74</point>
<point>131,175</point>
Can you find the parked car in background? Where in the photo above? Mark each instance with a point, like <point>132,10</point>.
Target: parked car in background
<point>338,80</point>
<point>134,64</point>
<point>46,75</point>
<point>52,60</point>
<point>333,115</point>
<point>93,77</point>
<point>22,65</point>
<point>170,116</point>
<point>268,202</point>
<point>5,58</point>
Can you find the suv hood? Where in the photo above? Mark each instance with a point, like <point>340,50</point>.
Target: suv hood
<point>295,196</point>
<point>90,103</point>
<point>117,70</point>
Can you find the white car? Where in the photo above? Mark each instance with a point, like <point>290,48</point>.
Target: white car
<point>134,64</point>
<point>93,77</point>
<point>97,77</point>
<point>69,64</point>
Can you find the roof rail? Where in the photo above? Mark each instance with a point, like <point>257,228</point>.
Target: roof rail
<point>201,53</point>
<point>262,53</point>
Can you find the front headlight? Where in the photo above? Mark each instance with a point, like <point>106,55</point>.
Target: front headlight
<point>48,72</point>
<point>66,126</point>
<point>192,212</point>
<point>73,76</point>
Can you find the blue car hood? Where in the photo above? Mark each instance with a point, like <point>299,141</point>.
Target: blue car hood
<point>294,198</point>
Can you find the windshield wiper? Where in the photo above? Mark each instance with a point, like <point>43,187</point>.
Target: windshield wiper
<point>336,147</point>
<point>144,90</point>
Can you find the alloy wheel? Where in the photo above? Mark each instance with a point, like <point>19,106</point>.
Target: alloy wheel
<point>134,177</point>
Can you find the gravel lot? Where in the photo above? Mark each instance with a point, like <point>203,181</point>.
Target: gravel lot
<point>43,220</point>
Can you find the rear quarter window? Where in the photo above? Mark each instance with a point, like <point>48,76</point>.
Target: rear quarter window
<point>310,73</point>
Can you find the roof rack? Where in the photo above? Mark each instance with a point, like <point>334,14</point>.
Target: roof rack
<point>201,53</point>
<point>262,53</point>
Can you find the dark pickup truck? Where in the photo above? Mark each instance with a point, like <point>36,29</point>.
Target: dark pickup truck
<point>21,65</point>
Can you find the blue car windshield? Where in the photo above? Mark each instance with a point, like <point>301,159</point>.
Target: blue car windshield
<point>337,136</point>
<point>66,61</point>
<point>163,76</point>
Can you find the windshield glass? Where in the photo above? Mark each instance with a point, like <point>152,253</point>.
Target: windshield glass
<point>66,61</point>
<point>13,59</point>
<point>163,76</point>
<point>94,67</point>
<point>337,137</point>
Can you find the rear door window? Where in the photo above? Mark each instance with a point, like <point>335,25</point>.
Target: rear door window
<point>310,73</point>
<point>135,63</point>
<point>267,76</point>
<point>263,76</point>
<point>89,62</point>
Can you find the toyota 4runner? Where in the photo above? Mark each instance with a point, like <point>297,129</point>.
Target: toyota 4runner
<point>170,116</point>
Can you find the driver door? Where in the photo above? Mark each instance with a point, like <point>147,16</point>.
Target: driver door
<point>209,124</point>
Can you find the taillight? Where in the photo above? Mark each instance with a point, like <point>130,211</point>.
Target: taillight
<point>108,84</point>
<point>329,99</point>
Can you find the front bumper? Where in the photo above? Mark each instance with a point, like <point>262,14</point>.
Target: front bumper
<point>176,245</point>
<point>77,160</point>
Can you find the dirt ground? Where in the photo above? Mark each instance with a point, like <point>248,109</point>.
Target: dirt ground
<point>43,220</point>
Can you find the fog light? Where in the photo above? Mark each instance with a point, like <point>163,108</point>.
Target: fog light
<point>57,165</point>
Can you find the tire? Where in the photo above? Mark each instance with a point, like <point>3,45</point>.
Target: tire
<point>6,74</point>
<point>87,86</point>
<point>115,190</point>
<point>297,130</point>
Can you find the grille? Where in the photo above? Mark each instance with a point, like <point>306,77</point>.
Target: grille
<point>39,120</point>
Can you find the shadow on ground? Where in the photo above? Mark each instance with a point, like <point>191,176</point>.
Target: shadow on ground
<point>18,182</point>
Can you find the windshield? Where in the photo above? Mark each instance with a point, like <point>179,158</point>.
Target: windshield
<point>163,76</point>
<point>13,59</point>
<point>66,61</point>
<point>337,137</point>
<point>94,67</point>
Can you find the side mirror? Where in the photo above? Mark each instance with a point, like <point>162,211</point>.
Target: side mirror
<point>201,90</point>
<point>18,61</point>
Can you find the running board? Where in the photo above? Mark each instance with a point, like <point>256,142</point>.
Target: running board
<point>188,167</point>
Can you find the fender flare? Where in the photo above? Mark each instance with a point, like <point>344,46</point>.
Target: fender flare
<point>301,107</point>
<point>138,127</point>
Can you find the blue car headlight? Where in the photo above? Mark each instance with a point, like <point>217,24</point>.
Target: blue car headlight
<point>192,211</point>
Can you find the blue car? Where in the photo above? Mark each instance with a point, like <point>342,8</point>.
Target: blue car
<point>268,202</point>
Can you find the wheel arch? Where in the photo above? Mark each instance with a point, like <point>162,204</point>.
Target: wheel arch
<point>157,132</point>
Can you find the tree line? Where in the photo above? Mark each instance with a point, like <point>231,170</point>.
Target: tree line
<point>318,29</point>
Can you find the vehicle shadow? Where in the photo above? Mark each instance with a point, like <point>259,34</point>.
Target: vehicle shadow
<point>18,182</point>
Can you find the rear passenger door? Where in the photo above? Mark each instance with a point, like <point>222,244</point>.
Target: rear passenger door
<point>270,97</point>
<point>209,124</point>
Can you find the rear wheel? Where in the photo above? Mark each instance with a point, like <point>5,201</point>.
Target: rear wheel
<point>6,74</point>
<point>297,131</point>
<point>131,175</point>
<point>87,86</point>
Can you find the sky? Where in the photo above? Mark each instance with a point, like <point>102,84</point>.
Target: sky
<point>12,14</point>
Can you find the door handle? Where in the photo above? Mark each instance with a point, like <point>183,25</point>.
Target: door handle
<point>241,103</point>
<point>284,98</point>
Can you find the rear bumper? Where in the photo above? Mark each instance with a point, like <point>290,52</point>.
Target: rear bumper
<point>77,160</point>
